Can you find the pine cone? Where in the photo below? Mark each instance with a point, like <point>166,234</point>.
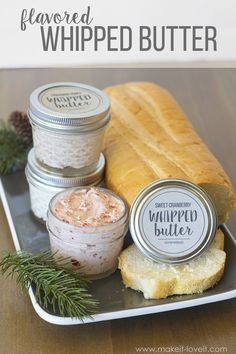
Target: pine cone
<point>21,124</point>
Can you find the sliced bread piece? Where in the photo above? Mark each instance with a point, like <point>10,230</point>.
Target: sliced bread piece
<point>158,280</point>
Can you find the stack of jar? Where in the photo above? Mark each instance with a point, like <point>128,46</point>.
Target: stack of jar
<point>68,122</point>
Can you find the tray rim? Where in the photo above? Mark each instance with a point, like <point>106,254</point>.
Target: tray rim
<point>53,319</point>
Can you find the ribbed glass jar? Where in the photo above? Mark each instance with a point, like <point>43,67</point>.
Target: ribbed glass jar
<point>43,184</point>
<point>68,122</point>
<point>93,248</point>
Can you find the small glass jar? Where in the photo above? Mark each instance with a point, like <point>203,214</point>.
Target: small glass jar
<point>43,184</point>
<point>68,123</point>
<point>95,249</point>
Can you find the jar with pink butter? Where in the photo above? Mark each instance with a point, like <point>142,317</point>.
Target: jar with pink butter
<point>88,225</point>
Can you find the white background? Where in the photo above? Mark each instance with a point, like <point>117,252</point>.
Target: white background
<point>24,49</point>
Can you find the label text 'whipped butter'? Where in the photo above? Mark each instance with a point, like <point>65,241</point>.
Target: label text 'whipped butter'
<point>172,220</point>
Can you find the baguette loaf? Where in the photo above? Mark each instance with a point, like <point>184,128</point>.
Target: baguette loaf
<point>150,138</point>
<point>159,280</point>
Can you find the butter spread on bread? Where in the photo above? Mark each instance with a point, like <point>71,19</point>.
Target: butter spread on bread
<point>158,280</point>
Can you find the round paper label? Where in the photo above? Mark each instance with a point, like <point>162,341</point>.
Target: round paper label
<point>69,99</point>
<point>173,222</point>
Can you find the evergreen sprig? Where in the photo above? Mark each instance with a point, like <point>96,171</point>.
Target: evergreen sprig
<point>13,150</point>
<point>56,286</point>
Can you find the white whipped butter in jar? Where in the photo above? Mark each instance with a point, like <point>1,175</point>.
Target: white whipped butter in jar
<point>68,122</point>
<point>44,184</point>
<point>88,225</point>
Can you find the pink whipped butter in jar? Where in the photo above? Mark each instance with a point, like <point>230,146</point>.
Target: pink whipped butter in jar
<point>88,225</point>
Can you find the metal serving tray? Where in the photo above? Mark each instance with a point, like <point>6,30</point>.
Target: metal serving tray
<point>115,301</point>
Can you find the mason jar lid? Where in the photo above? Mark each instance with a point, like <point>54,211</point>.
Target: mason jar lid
<point>41,176</point>
<point>69,107</point>
<point>172,221</point>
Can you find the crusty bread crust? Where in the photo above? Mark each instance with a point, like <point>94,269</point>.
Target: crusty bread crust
<point>157,280</point>
<point>149,137</point>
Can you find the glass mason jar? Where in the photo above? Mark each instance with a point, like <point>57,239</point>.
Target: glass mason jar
<point>68,123</point>
<point>43,184</point>
<point>95,249</point>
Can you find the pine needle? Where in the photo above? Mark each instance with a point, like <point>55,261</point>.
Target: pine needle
<point>13,151</point>
<point>56,287</point>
